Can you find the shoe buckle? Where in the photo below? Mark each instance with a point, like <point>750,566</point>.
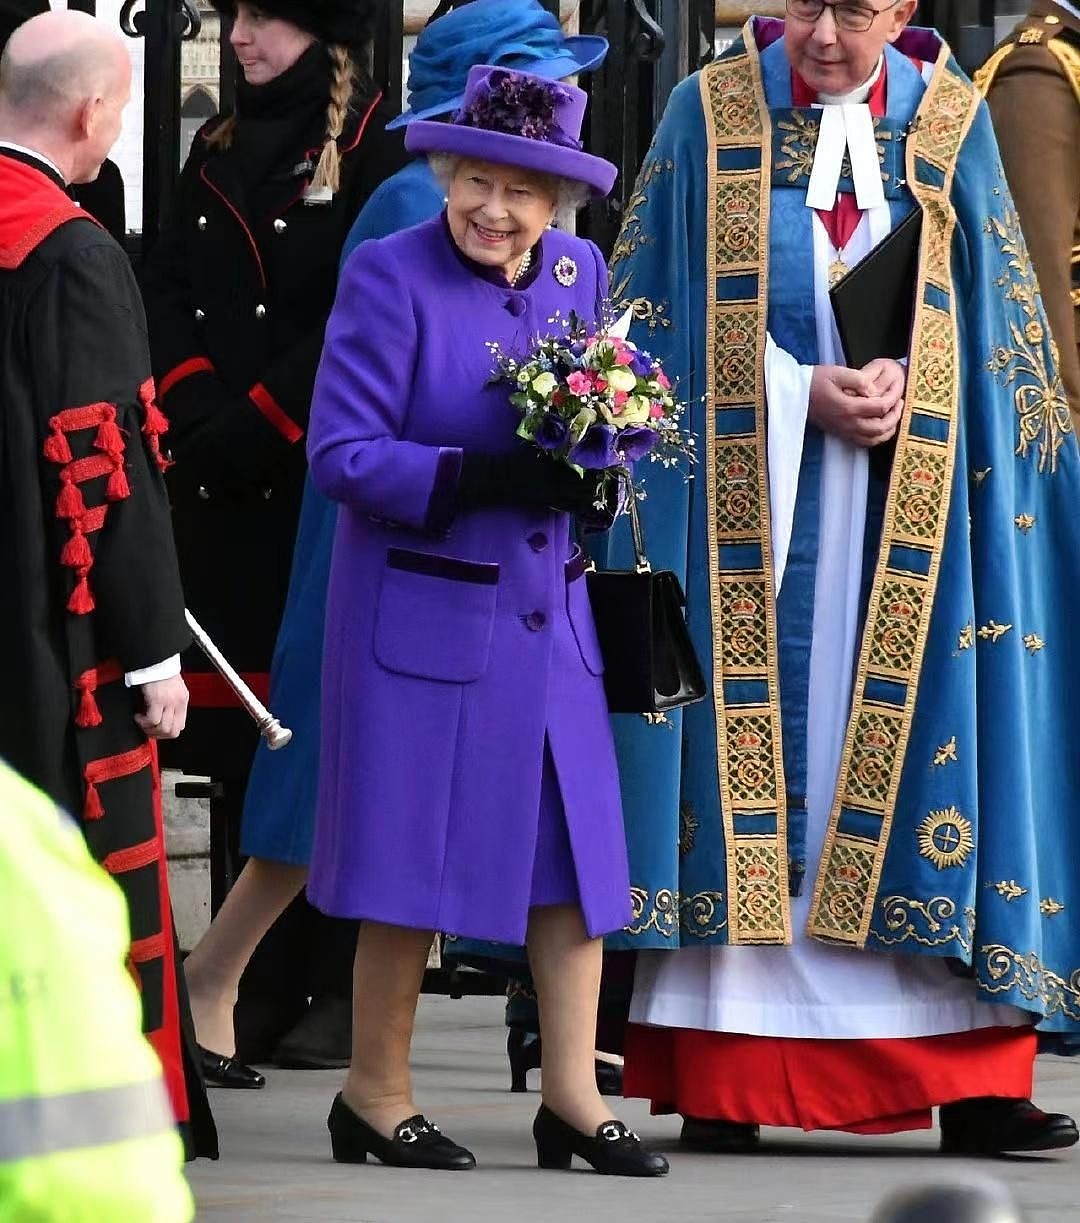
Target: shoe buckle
<point>612,1131</point>
<point>408,1134</point>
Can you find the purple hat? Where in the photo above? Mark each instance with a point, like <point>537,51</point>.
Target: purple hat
<point>517,119</point>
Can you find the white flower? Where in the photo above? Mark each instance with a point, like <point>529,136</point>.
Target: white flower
<point>621,378</point>
<point>635,410</point>
<point>544,384</point>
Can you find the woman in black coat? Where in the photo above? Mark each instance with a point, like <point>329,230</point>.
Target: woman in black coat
<point>238,290</point>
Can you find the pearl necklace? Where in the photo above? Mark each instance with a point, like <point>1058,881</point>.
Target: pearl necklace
<point>523,267</point>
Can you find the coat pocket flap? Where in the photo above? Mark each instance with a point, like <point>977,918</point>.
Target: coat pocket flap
<point>436,616</point>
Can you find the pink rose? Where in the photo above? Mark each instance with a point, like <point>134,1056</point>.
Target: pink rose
<point>656,410</point>
<point>579,383</point>
<point>619,401</point>
<point>623,356</point>
<point>663,380</point>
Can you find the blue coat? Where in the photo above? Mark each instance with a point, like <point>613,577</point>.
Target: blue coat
<point>456,647</point>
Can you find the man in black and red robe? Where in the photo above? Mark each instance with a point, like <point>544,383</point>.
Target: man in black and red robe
<point>93,614</point>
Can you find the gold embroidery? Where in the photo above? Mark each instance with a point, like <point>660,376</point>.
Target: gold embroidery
<point>876,738</point>
<point>967,637</point>
<point>980,476</point>
<point>698,914</point>
<point>922,481</point>
<point>901,603</point>
<point>946,754</point>
<point>1034,643</point>
<point>1051,907</point>
<point>1026,973</point>
<point>1008,889</point>
<point>945,837</point>
<point>993,632</point>
<point>660,913</point>
<point>1027,37</point>
<point>632,237</point>
<point>750,766</point>
<point>688,828</point>
<point>1031,363</point>
<point>929,923</point>
<point>798,146</point>
<point>1024,522</point>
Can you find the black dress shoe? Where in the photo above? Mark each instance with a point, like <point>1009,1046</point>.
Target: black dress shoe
<point>322,1040</point>
<point>719,1137</point>
<point>613,1151</point>
<point>416,1143</point>
<point>523,1050</point>
<point>220,1071</point>
<point>994,1126</point>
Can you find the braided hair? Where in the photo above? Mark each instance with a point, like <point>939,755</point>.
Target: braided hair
<point>345,78</point>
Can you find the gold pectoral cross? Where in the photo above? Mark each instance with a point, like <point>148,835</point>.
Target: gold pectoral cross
<point>838,269</point>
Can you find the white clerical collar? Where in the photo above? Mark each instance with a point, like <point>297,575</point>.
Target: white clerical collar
<point>21,148</point>
<point>847,126</point>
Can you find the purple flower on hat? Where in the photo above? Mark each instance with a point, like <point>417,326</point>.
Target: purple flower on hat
<point>596,450</point>
<point>519,106</point>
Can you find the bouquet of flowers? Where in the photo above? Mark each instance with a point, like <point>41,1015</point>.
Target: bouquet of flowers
<point>594,400</point>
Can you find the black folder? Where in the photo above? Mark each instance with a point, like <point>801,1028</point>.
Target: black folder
<point>874,304</point>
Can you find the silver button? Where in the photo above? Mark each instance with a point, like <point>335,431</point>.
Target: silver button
<point>260,311</point>
<point>201,222</point>
<point>280,226</point>
<point>203,494</point>
<point>199,315</point>
<point>267,493</point>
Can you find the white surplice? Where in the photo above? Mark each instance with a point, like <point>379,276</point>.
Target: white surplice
<point>811,989</point>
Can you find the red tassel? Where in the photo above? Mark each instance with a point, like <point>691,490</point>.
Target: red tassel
<point>70,503</point>
<point>76,553</point>
<point>117,487</point>
<point>82,601</point>
<point>155,421</point>
<point>89,714</point>
<point>92,808</point>
<point>109,438</point>
<point>56,448</point>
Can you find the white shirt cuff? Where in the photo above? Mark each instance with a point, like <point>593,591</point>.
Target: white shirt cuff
<point>151,675</point>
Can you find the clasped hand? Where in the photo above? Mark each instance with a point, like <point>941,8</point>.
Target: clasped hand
<point>862,407</point>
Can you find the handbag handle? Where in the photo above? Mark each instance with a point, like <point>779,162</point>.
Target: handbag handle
<point>636,533</point>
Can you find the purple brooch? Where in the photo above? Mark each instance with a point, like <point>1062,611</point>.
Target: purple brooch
<point>565,270</point>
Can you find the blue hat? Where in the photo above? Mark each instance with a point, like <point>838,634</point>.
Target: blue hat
<point>517,34</point>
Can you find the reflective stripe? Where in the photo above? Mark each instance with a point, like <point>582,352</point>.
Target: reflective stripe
<point>44,1125</point>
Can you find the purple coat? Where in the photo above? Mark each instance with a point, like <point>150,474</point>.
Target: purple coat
<point>455,646</point>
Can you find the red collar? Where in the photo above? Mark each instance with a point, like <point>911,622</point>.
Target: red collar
<point>32,207</point>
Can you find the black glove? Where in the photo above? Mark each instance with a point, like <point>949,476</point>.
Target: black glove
<point>525,477</point>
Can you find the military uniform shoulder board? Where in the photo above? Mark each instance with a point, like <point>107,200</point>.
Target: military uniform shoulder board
<point>1034,32</point>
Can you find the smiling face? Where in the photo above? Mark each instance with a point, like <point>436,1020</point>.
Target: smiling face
<point>496,213</point>
<point>833,60</point>
<point>265,46</point>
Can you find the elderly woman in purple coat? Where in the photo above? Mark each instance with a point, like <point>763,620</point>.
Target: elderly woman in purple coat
<point>468,780</point>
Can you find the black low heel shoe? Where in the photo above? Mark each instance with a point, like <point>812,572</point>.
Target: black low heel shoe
<point>998,1126</point>
<point>613,1151</point>
<point>221,1071</point>
<point>416,1143</point>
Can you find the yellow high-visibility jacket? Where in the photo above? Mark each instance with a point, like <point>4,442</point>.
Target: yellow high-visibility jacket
<point>86,1131</point>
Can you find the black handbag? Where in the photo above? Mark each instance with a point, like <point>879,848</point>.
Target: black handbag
<point>650,666</point>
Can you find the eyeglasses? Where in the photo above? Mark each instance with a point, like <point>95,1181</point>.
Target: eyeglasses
<point>853,18</point>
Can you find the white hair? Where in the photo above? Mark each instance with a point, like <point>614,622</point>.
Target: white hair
<point>569,194</point>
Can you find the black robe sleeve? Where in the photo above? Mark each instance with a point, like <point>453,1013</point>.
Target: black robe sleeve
<point>101,454</point>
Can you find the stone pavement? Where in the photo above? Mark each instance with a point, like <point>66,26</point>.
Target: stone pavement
<point>276,1156</point>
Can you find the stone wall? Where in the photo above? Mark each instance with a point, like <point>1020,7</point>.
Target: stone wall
<point>187,840</point>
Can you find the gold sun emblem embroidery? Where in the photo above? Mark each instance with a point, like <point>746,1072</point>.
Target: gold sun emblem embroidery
<point>946,754</point>
<point>1024,522</point>
<point>1008,889</point>
<point>945,837</point>
<point>1051,907</point>
<point>993,631</point>
<point>1034,643</point>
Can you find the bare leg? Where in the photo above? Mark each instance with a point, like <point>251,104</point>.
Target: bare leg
<point>387,976</point>
<point>256,900</point>
<point>566,966</point>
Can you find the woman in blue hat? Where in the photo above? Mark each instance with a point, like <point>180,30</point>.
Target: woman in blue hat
<point>279,808</point>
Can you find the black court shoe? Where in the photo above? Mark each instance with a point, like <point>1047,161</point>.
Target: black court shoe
<point>416,1143</point>
<point>719,1137</point>
<point>523,1050</point>
<point>994,1126</point>
<point>613,1151</point>
<point>221,1071</point>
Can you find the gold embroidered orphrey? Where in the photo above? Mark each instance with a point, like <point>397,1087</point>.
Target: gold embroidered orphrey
<point>749,747</point>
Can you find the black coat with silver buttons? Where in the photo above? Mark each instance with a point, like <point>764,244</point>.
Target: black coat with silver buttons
<point>238,290</point>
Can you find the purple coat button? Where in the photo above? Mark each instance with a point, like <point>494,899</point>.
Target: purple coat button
<point>538,541</point>
<point>535,621</point>
<point>516,306</point>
